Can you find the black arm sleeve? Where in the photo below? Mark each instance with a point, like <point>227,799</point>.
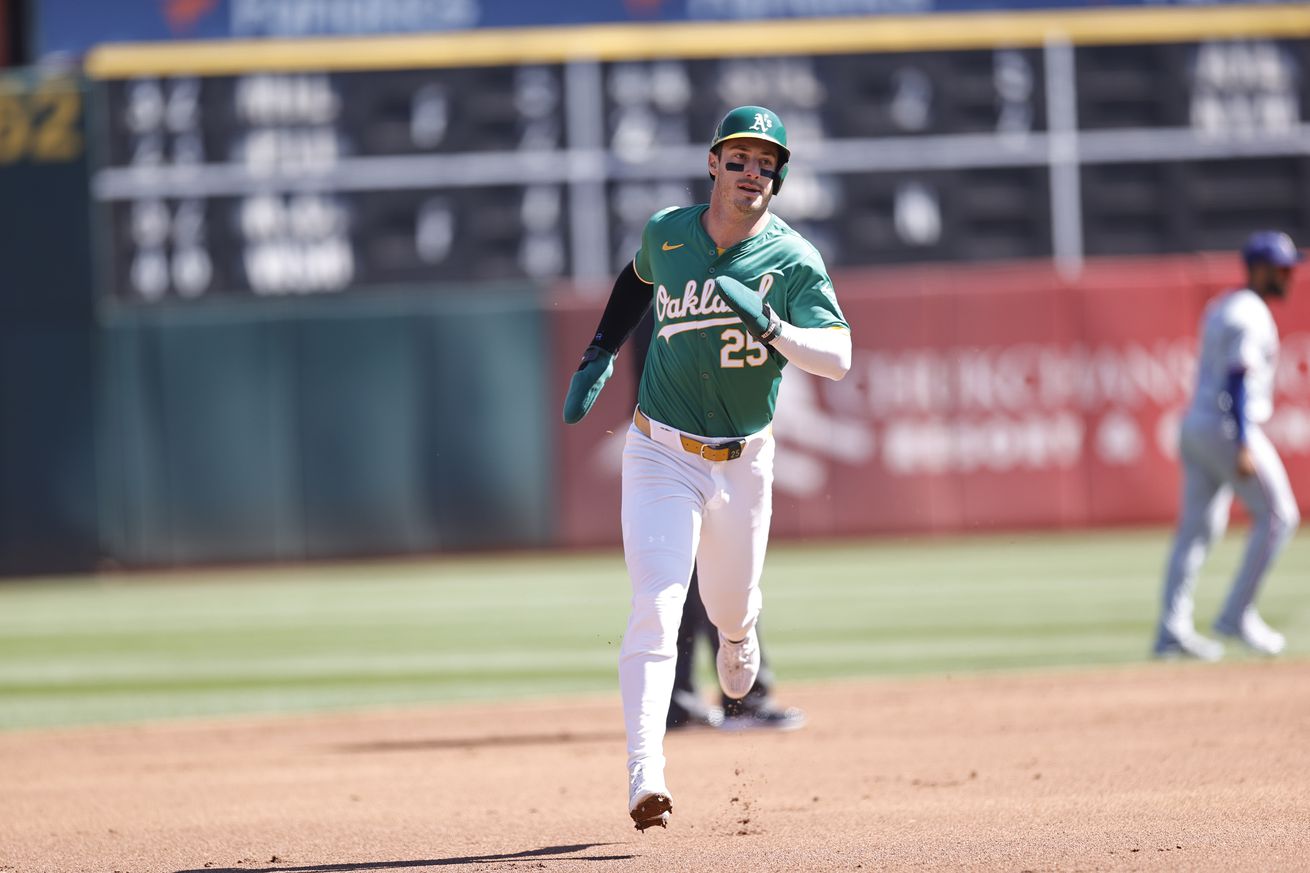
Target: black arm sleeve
<point>628,302</point>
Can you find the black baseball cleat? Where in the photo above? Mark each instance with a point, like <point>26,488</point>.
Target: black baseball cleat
<point>768,718</point>
<point>653,811</point>
<point>700,717</point>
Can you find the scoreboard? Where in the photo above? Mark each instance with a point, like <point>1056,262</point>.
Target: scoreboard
<point>439,162</point>
<point>301,183</point>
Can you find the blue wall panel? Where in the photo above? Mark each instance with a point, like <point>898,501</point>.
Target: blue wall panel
<point>71,27</point>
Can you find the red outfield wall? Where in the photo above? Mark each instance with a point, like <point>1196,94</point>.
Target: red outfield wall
<point>980,397</point>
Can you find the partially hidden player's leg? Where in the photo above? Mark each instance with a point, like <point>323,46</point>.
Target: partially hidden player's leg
<point>1267,496</point>
<point>661,513</point>
<point>1203,515</point>
<point>734,539</point>
<point>686,708</point>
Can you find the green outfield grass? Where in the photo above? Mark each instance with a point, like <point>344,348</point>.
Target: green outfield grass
<point>219,642</point>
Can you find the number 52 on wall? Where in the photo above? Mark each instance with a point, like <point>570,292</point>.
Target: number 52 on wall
<point>40,123</point>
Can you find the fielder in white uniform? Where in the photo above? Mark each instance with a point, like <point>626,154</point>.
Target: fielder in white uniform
<point>737,295</point>
<point>1224,452</point>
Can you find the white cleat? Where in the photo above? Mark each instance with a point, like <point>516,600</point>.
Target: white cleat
<point>1253,633</point>
<point>1186,644</point>
<point>649,802</point>
<point>739,665</point>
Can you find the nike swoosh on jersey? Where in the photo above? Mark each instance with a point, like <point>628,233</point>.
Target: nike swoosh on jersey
<point>669,248</point>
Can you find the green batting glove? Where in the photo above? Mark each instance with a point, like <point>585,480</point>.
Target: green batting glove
<point>596,368</point>
<point>759,318</point>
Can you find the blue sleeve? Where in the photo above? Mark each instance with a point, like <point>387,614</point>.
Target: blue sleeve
<point>1237,402</point>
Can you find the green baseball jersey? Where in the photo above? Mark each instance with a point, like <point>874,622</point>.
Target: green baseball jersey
<point>705,374</point>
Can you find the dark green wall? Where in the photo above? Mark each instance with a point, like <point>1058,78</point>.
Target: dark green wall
<point>245,430</point>
<point>322,428</point>
<point>47,475</point>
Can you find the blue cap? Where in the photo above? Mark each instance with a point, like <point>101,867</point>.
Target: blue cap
<point>1271,247</point>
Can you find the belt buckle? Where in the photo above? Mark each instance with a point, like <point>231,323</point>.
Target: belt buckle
<point>733,450</point>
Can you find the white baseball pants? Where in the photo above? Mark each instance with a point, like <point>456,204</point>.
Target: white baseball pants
<point>678,510</point>
<point>1209,460</point>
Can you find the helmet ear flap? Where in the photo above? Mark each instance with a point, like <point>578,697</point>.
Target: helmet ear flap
<point>777,180</point>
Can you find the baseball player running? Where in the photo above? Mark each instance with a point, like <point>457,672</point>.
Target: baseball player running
<point>737,295</point>
<point>1224,450</point>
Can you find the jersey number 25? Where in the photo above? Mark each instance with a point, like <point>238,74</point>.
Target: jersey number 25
<point>740,349</point>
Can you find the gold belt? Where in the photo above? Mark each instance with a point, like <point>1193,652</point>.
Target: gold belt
<point>724,451</point>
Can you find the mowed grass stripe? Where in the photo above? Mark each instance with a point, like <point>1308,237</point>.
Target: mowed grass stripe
<point>73,671</point>
<point>53,710</point>
<point>217,642</point>
<point>267,598</point>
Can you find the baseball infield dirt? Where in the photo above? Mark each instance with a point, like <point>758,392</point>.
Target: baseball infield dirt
<point>1156,767</point>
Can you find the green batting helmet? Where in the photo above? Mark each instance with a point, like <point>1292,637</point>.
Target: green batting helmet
<point>756,122</point>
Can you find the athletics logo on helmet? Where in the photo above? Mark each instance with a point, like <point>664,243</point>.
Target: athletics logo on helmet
<point>1271,247</point>
<point>756,122</point>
